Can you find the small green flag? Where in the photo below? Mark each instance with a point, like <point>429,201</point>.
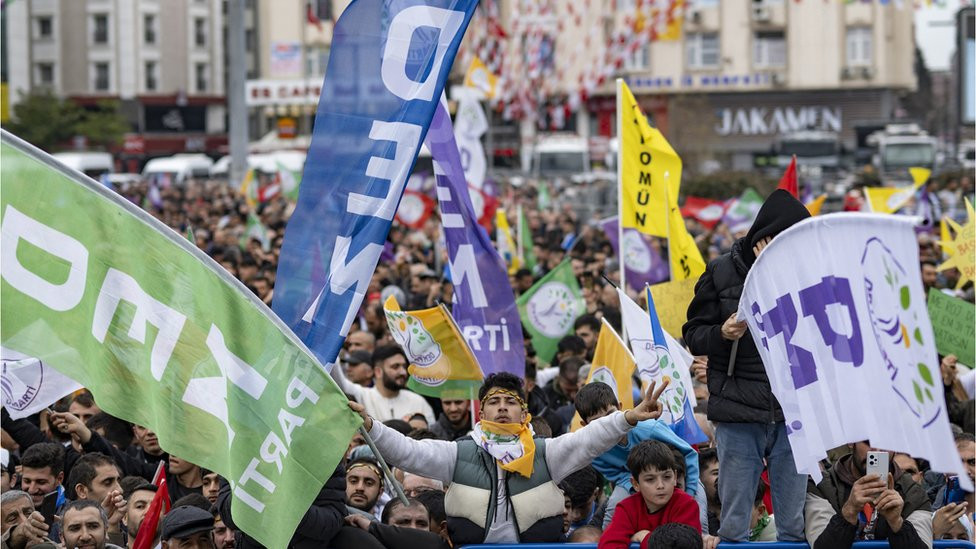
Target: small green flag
<point>110,297</point>
<point>290,181</point>
<point>255,229</point>
<point>189,235</point>
<point>550,307</point>
<point>525,237</point>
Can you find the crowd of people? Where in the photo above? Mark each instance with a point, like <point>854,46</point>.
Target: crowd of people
<point>507,467</point>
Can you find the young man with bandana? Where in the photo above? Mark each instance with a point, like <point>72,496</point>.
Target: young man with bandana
<point>503,480</point>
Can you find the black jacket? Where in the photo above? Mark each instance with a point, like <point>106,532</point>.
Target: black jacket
<point>321,522</point>
<point>446,431</point>
<point>745,397</point>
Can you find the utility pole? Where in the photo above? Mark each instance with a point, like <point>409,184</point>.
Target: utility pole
<point>236,57</point>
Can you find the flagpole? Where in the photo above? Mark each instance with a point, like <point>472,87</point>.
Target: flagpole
<point>520,251</point>
<point>386,470</point>
<point>620,182</point>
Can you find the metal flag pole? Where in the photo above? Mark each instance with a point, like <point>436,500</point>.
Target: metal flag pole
<point>386,470</point>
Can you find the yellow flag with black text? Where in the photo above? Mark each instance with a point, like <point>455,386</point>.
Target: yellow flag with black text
<point>683,253</point>
<point>650,170</point>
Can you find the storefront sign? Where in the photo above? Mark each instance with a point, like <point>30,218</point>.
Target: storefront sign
<point>283,92</point>
<point>778,120</point>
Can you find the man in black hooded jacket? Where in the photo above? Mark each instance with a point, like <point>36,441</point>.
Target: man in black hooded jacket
<point>749,424</point>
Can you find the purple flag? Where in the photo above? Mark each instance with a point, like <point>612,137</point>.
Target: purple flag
<point>644,264</point>
<point>484,303</point>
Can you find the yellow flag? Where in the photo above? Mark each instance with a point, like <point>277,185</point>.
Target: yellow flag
<point>650,170</point>
<point>815,205</point>
<point>891,199</point>
<point>479,77</point>
<point>441,363</point>
<point>671,299</point>
<point>686,259</point>
<point>613,364</point>
<point>505,243</point>
<point>945,237</point>
<point>249,188</point>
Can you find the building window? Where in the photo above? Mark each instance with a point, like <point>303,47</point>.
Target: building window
<point>249,40</point>
<point>316,61</point>
<point>200,32</point>
<point>151,77</point>
<point>859,46</point>
<point>323,9</point>
<point>45,74</point>
<point>101,77</point>
<point>201,77</point>
<point>702,49</point>
<point>639,60</point>
<point>769,49</point>
<point>100,28</point>
<point>45,28</point>
<point>149,29</point>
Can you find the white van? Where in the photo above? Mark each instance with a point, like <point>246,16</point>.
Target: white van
<point>179,167</point>
<point>560,155</point>
<point>92,164</point>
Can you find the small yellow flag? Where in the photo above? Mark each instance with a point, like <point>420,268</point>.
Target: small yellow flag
<point>815,205</point>
<point>505,243</point>
<point>613,364</point>
<point>479,77</point>
<point>441,363</point>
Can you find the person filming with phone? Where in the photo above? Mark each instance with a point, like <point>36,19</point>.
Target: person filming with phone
<point>865,496</point>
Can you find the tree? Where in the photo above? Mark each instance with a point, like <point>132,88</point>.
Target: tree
<point>46,121</point>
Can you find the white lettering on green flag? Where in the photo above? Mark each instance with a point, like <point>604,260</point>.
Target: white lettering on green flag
<point>165,338</point>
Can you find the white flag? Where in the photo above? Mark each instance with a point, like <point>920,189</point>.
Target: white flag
<point>638,327</point>
<point>846,340</point>
<point>29,385</point>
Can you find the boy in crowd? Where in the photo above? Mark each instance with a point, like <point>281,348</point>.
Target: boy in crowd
<point>597,399</point>
<point>652,468</point>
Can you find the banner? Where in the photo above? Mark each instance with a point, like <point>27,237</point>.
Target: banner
<point>29,385</point>
<point>742,211</point>
<point>415,209</point>
<point>388,65</point>
<point>846,341</point>
<point>471,125</point>
<point>705,211</point>
<point>650,170</point>
<point>441,364</point>
<point>550,308</point>
<point>643,263</point>
<point>672,300</point>
<point>640,335</point>
<point>484,303</point>
<point>165,338</point>
<point>954,324</point>
<point>962,249</point>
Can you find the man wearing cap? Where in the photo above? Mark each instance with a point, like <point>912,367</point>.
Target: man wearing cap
<point>188,527</point>
<point>388,398</point>
<point>503,480</point>
<point>359,366</point>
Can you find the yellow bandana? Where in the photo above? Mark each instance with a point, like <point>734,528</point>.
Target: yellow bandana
<point>511,444</point>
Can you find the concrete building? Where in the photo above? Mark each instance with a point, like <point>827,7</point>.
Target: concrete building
<point>736,75</point>
<point>162,59</point>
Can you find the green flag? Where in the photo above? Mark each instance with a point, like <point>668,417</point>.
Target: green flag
<point>550,307</point>
<point>163,337</point>
<point>256,230</point>
<point>525,241</point>
<point>290,181</point>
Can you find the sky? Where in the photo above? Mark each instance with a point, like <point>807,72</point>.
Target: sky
<point>935,32</point>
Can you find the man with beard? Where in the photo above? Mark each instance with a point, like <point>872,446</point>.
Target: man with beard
<point>84,524</point>
<point>364,484</point>
<point>388,398</point>
<point>211,485</point>
<point>138,498</point>
<point>223,535</point>
<point>455,420</point>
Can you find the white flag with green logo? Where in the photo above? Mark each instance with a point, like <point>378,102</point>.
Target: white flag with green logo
<point>163,337</point>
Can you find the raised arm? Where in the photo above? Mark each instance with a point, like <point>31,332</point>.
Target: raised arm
<point>428,458</point>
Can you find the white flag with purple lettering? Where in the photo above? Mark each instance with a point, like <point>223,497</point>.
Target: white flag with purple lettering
<point>845,336</point>
<point>29,385</point>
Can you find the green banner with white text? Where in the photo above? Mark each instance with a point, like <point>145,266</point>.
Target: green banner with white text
<point>165,338</point>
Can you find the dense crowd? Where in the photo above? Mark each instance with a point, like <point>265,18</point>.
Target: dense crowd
<point>507,467</point>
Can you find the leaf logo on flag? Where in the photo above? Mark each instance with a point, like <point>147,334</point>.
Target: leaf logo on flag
<point>551,310</point>
<point>895,319</point>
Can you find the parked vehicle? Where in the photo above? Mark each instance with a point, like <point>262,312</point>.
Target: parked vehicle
<point>92,164</point>
<point>179,168</point>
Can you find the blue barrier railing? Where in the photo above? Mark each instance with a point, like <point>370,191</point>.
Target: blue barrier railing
<point>940,544</point>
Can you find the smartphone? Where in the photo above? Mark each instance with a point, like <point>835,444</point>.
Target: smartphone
<point>877,464</point>
<point>954,493</point>
<point>49,507</point>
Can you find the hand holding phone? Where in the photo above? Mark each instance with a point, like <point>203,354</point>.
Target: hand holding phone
<point>877,464</point>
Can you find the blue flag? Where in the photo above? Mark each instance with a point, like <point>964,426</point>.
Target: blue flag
<point>678,413</point>
<point>389,62</point>
<point>484,303</point>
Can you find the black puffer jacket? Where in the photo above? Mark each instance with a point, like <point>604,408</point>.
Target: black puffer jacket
<point>321,522</point>
<point>746,396</point>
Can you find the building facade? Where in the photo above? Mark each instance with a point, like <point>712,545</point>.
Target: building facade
<point>163,60</point>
